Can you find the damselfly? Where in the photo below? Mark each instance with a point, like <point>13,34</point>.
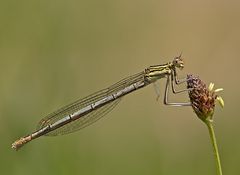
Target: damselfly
<point>88,110</point>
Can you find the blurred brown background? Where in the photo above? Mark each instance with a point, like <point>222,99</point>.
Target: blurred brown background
<point>54,52</point>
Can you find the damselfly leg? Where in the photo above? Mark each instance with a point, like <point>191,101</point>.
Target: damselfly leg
<point>176,81</point>
<point>165,101</point>
<point>157,89</point>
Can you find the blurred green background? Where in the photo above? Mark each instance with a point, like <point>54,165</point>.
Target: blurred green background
<point>54,52</point>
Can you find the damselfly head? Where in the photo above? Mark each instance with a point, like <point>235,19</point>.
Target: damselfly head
<point>178,62</point>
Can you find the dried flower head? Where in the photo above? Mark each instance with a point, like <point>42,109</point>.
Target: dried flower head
<point>203,98</point>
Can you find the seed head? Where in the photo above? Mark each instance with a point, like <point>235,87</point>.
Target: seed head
<point>203,98</point>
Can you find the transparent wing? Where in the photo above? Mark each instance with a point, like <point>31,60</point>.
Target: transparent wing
<point>92,116</point>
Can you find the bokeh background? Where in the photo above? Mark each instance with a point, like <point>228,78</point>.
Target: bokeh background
<point>54,52</point>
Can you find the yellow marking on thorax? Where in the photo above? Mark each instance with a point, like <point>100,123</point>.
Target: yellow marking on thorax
<point>156,72</point>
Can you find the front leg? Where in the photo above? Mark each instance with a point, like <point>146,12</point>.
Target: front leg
<point>174,81</point>
<point>177,81</point>
<point>165,101</point>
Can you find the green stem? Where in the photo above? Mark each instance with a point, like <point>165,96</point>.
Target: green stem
<point>215,147</point>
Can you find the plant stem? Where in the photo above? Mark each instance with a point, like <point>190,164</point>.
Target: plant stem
<point>214,144</point>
